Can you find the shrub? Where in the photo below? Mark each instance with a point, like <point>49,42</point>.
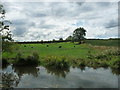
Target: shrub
<point>33,59</point>
<point>30,60</point>
<point>114,63</point>
<point>19,60</point>
<point>102,57</point>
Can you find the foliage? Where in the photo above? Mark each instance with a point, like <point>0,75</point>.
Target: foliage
<point>4,30</point>
<point>9,80</point>
<point>78,34</point>
<point>30,60</point>
<point>8,46</point>
<point>33,59</point>
<point>69,38</point>
<point>4,61</point>
<point>61,39</point>
<point>115,63</point>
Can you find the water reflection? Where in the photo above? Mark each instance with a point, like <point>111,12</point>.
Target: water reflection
<point>4,66</point>
<point>58,72</point>
<point>76,77</point>
<point>115,71</point>
<point>9,80</point>
<point>31,70</point>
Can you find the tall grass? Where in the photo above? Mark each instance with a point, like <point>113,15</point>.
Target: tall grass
<point>32,59</point>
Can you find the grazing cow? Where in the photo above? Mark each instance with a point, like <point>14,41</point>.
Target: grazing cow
<point>60,46</point>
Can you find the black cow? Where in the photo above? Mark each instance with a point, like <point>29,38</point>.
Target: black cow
<point>60,46</point>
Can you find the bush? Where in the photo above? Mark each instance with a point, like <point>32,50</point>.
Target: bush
<point>115,63</point>
<point>30,60</point>
<point>33,59</point>
<point>106,55</point>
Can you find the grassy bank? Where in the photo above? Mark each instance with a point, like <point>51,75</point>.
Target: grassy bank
<point>64,55</point>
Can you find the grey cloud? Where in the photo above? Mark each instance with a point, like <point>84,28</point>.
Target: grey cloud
<point>80,3</point>
<point>112,24</point>
<point>47,26</point>
<point>21,27</point>
<point>42,25</point>
<point>66,13</point>
<point>23,22</point>
<point>19,31</point>
<point>40,15</point>
<point>19,22</point>
<point>103,4</point>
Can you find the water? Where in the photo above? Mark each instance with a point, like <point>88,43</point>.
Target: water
<point>41,77</point>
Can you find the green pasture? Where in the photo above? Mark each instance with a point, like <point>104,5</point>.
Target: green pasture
<point>68,49</point>
<point>105,42</point>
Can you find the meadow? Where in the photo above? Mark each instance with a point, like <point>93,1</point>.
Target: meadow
<point>68,49</point>
<point>93,53</point>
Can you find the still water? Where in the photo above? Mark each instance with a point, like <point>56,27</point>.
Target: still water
<point>42,77</point>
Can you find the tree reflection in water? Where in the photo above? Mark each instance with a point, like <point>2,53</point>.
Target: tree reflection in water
<point>4,66</point>
<point>30,70</point>
<point>9,80</point>
<point>115,71</point>
<point>58,72</point>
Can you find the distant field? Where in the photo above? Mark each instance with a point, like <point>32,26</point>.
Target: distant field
<point>109,42</point>
<point>67,49</point>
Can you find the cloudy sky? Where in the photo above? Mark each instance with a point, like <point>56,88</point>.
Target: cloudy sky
<point>54,20</point>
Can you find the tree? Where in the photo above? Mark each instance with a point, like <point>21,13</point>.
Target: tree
<point>79,34</point>
<point>61,39</point>
<point>5,33</point>
<point>69,38</point>
<point>53,40</point>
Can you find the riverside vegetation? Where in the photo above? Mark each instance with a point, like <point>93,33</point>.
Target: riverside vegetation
<point>70,54</point>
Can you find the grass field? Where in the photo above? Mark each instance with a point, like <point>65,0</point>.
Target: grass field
<point>107,42</point>
<point>67,49</point>
<point>71,50</point>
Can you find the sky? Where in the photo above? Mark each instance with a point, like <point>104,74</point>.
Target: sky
<point>35,21</point>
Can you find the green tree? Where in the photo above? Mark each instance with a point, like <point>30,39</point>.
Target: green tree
<point>5,33</point>
<point>69,38</point>
<point>61,39</point>
<point>79,34</point>
<point>53,40</point>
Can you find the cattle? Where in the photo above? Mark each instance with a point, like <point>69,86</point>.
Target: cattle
<point>60,46</point>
